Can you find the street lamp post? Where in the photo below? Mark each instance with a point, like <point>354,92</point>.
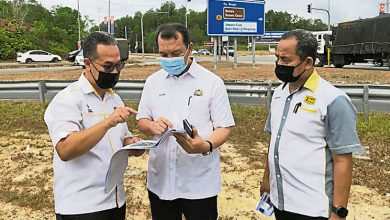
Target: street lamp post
<point>142,32</point>
<point>186,12</point>
<point>99,18</point>
<point>78,21</point>
<point>109,16</point>
<point>142,37</point>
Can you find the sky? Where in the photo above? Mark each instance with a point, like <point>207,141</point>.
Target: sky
<point>340,10</point>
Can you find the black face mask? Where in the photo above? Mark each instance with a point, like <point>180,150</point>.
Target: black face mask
<point>106,80</point>
<point>285,73</point>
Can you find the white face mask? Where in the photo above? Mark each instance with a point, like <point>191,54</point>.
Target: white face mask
<point>174,65</point>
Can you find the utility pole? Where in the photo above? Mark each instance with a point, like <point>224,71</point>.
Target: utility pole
<point>186,13</point>
<point>78,21</point>
<point>109,16</point>
<point>329,15</point>
<point>99,18</point>
<point>387,6</point>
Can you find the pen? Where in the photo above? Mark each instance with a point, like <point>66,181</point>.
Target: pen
<point>299,104</point>
<point>189,100</point>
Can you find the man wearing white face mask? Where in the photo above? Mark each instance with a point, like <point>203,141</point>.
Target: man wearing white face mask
<point>184,172</point>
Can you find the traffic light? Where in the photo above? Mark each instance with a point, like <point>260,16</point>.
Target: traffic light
<point>309,8</point>
<point>122,32</point>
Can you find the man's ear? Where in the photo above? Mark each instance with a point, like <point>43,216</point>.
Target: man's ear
<point>191,46</point>
<point>309,63</point>
<point>87,64</point>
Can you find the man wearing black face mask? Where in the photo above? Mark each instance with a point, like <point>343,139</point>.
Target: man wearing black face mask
<point>87,124</point>
<point>313,134</point>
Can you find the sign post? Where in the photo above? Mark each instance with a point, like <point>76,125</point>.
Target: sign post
<point>235,18</point>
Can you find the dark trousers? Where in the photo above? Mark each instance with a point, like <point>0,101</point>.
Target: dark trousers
<point>110,214</point>
<point>193,209</point>
<point>284,215</point>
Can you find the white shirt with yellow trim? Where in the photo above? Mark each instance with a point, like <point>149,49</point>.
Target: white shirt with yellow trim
<point>79,183</point>
<point>200,97</point>
<point>306,127</point>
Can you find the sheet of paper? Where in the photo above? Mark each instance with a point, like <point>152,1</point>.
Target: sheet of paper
<point>141,145</point>
<point>118,163</point>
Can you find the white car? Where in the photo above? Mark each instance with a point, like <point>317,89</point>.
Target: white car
<point>37,56</point>
<point>230,50</point>
<point>204,52</point>
<point>194,52</point>
<point>79,60</point>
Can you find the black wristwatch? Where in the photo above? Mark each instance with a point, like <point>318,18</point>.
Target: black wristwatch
<point>210,150</point>
<point>340,211</point>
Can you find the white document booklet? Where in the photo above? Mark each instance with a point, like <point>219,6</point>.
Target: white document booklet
<point>118,163</point>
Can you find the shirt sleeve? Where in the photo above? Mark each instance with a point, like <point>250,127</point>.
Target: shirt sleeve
<point>62,117</point>
<point>144,109</point>
<point>340,122</point>
<point>220,110</point>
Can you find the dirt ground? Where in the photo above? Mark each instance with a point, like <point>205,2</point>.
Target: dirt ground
<point>26,159</point>
<point>26,162</point>
<point>244,72</point>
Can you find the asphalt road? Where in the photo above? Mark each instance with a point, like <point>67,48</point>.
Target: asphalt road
<point>264,59</point>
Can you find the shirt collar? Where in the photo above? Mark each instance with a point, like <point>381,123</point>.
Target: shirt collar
<point>87,87</point>
<point>311,83</point>
<point>192,71</point>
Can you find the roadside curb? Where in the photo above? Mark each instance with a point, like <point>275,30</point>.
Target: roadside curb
<point>37,65</point>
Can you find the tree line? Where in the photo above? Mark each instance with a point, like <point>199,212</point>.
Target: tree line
<point>27,25</point>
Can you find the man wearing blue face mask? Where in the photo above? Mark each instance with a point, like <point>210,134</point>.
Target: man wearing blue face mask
<point>313,134</point>
<point>87,125</point>
<point>184,172</point>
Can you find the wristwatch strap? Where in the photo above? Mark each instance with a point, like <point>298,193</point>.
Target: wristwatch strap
<point>210,150</point>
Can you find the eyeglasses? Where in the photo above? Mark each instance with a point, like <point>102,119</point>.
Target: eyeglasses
<point>109,67</point>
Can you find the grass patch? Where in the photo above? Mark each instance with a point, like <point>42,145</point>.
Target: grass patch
<point>246,135</point>
<point>374,133</point>
<point>22,116</point>
<point>39,200</point>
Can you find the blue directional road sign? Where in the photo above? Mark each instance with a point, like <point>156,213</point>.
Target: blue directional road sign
<point>235,17</point>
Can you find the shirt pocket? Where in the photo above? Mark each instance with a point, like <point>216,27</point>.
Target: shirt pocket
<point>199,111</point>
<point>306,121</point>
<point>90,119</point>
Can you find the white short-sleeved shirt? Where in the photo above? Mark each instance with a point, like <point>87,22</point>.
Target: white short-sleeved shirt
<point>79,183</point>
<point>306,127</point>
<point>200,97</point>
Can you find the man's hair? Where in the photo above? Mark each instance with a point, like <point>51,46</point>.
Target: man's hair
<point>169,31</point>
<point>93,40</point>
<point>306,43</point>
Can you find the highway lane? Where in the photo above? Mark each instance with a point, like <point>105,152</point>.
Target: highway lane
<point>259,59</point>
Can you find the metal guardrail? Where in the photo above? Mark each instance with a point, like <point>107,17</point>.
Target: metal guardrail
<point>366,98</point>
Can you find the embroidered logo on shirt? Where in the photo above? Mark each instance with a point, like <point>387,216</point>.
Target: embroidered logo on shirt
<point>310,100</point>
<point>89,109</point>
<point>161,94</point>
<point>198,92</point>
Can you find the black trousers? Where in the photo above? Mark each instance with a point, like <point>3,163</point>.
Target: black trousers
<point>110,214</point>
<point>285,215</point>
<point>193,209</point>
